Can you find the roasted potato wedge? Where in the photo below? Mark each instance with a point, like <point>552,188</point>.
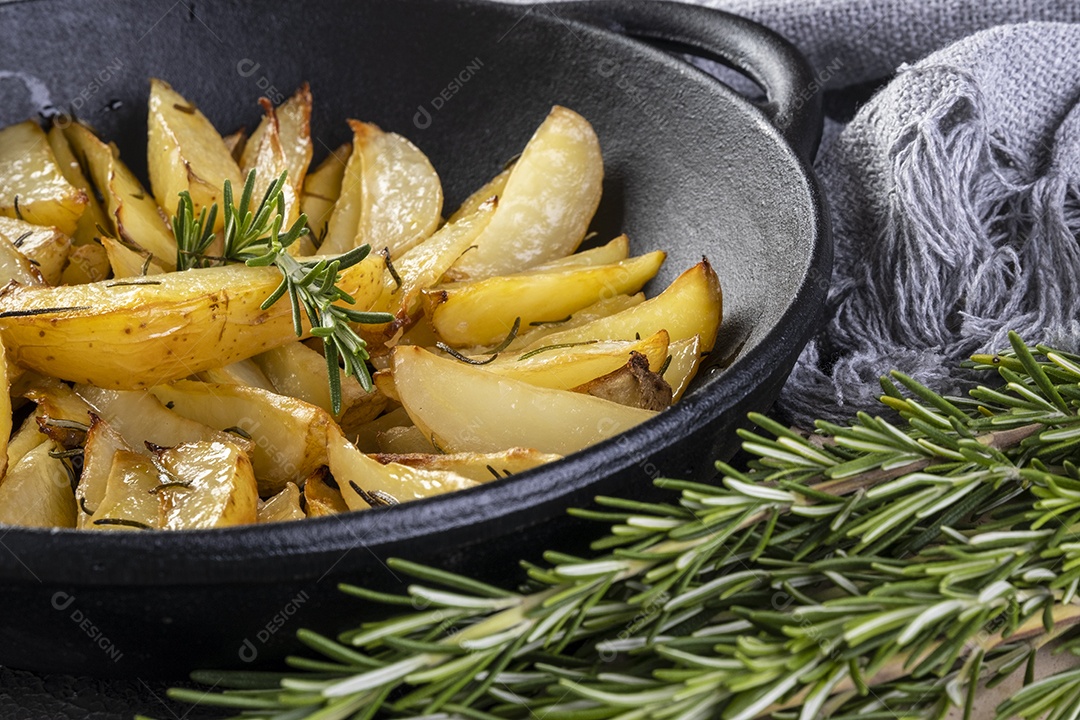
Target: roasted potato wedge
<point>322,186</point>
<point>531,338</point>
<point>685,361</point>
<point>365,482</point>
<point>691,306</point>
<point>550,197</point>
<point>133,214</point>
<point>128,263</point>
<point>483,312</point>
<point>391,196</point>
<point>282,507</point>
<point>25,439</point>
<point>565,368</point>
<point>404,440</point>
<point>86,264</point>
<point>186,153</point>
<point>320,498</point>
<point>481,467</point>
<point>418,269</point>
<point>613,251</point>
<point>131,336</point>
<point>36,492</point>
<point>101,446</point>
<point>93,216</point>
<point>16,267</point>
<point>289,435</point>
<point>491,189</point>
<point>140,418</point>
<point>46,248</point>
<point>131,501</point>
<point>296,370</point>
<point>291,123</point>
<point>266,156</point>
<point>465,409</point>
<point>208,485</point>
<point>32,186</point>
<point>241,372</point>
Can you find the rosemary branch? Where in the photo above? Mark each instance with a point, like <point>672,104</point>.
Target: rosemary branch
<point>875,570</point>
<point>253,235</point>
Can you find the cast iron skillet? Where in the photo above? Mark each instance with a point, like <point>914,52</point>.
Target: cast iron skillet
<point>691,167</point>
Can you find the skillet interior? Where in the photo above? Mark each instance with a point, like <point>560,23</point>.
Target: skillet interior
<point>690,168</point>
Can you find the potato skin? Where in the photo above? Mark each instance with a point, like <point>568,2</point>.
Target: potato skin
<point>133,336</point>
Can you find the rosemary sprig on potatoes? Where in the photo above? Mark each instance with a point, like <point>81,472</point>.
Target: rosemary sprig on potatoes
<point>254,237</point>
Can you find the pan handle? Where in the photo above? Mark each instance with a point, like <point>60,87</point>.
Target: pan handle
<point>793,97</point>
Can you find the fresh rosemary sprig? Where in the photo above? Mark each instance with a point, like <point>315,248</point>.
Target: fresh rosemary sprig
<point>253,235</point>
<point>876,570</point>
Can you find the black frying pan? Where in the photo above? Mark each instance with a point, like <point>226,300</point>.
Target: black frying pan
<point>691,167</point>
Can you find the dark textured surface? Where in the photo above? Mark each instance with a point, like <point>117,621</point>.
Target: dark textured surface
<point>690,168</point>
<point>29,696</point>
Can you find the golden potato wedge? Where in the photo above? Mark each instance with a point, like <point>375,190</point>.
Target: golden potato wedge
<point>86,264</point>
<point>465,409</point>
<point>492,189</point>
<point>481,467</point>
<point>93,216</point>
<point>140,418</point>
<point>418,269</point>
<point>282,507</point>
<point>208,485</point>
<point>266,157</point>
<point>685,361</point>
<point>25,439</point>
<point>45,247</point>
<point>404,440</point>
<point>185,152</point>
<point>322,186</point>
<point>32,186</point>
<point>612,251</point>
<point>62,414</point>
<point>367,435</point>
<point>133,213</point>
<point>565,368</point>
<point>633,384</point>
<point>320,498</point>
<point>99,451</point>
<point>289,435</point>
<point>483,312</point>
<point>36,492</point>
<point>130,501</point>
<point>293,130</point>
<point>691,305</point>
<point>128,263</point>
<point>547,204</point>
<point>365,482</point>
<point>391,196</point>
<point>241,372</point>
<point>296,370</point>
<point>530,338</point>
<point>14,266</point>
<point>122,335</point>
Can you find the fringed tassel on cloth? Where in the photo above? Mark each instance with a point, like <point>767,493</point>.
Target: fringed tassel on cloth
<point>953,222</point>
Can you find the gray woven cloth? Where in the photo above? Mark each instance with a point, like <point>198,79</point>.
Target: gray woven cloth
<point>955,199</point>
